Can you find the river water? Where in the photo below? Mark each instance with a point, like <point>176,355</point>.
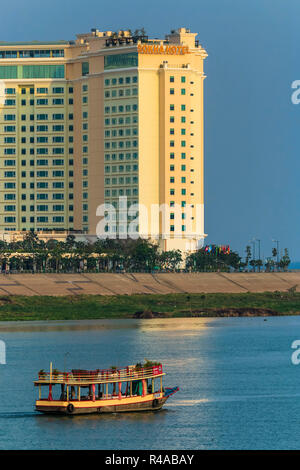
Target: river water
<point>238,386</point>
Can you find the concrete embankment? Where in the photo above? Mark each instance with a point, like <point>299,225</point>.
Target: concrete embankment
<point>141,283</point>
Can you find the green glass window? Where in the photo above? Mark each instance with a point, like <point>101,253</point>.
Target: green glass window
<point>8,71</point>
<point>85,68</point>
<point>42,71</point>
<point>114,61</point>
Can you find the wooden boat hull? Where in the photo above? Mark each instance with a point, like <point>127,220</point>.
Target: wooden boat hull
<point>123,405</point>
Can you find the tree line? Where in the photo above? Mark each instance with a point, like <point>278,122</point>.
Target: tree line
<point>114,255</point>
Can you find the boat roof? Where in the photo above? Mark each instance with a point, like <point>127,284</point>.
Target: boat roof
<point>84,377</point>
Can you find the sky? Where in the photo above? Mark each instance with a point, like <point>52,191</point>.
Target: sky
<point>251,126</point>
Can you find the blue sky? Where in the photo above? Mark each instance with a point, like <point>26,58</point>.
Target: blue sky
<point>252,128</point>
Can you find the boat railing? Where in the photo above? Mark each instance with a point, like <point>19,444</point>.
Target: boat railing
<point>101,375</point>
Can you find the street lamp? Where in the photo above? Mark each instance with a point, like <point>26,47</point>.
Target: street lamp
<point>256,239</point>
<point>253,255</point>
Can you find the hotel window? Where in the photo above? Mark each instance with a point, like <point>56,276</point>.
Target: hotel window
<point>172,79</point>
<point>42,128</point>
<point>58,90</point>
<point>9,140</point>
<point>84,88</point>
<point>183,143</point>
<point>42,151</point>
<point>182,131</point>
<point>183,107</point>
<point>58,150</point>
<point>42,91</point>
<point>42,101</point>
<point>183,91</point>
<point>57,116</point>
<point>172,107</point>
<point>172,119</point>
<point>172,131</point>
<point>183,192</point>
<point>58,207</point>
<point>56,139</point>
<point>9,208</point>
<point>172,192</point>
<point>182,79</point>
<point>9,197</point>
<point>42,162</point>
<point>57,101</point>
<point>183,179</point>
<point>172,143</point>
<point>183,167</point>
<point>172,91</point>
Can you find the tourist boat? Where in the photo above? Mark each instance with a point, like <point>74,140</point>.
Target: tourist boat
<point>133,388</point>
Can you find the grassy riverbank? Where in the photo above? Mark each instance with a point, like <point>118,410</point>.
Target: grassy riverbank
<point>14,308</point>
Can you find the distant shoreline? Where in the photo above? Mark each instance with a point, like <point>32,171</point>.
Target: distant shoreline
<point>182,305</point>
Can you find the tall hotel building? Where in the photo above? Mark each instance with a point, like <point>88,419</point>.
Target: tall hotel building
<point>108,115</point>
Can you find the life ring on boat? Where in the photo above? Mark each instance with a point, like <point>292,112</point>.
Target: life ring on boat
<point>155,403</point>
<point>70,408</point>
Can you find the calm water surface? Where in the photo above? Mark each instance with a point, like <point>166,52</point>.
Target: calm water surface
<point>238,386</point>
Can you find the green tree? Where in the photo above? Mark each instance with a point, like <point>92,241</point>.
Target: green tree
<point>285,260</point>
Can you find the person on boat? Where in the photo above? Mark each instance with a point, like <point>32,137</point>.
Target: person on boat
<point>63,394</point>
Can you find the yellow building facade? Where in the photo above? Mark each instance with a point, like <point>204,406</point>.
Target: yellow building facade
<point>110,118</point>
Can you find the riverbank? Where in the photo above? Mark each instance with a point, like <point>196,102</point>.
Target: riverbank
<point>85,307</point>
<point>106,284</point>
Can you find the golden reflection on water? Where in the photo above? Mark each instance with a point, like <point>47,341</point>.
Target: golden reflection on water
<point>190,326</point>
